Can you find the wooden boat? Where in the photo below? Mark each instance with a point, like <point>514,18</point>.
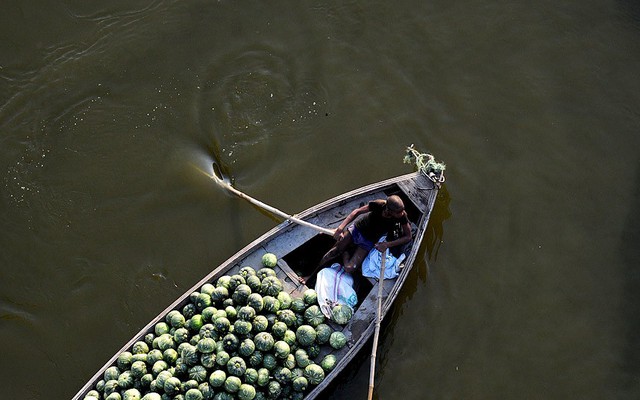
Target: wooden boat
<point>299,249</point>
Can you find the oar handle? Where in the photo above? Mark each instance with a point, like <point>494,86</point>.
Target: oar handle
<point>273,210</point>
<point>376,334</point>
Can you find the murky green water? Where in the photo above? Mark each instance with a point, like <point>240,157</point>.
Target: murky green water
<point>530,280</point>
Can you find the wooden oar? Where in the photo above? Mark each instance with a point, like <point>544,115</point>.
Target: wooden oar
<point>377,330</point>
<point>273,210</point>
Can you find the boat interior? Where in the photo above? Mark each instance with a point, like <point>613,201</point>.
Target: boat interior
<point>304,259</point>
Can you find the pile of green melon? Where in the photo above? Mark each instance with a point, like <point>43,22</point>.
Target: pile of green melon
<point>241,337</point>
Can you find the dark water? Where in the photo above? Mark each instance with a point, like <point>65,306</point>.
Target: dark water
<point>531,274</point>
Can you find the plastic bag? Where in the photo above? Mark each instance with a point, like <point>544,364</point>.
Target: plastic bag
<point>335,286</point>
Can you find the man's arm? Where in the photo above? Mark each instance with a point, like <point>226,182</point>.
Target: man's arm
<point>352,215</point>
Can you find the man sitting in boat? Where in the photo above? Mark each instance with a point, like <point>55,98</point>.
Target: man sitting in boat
<point>363,227</point>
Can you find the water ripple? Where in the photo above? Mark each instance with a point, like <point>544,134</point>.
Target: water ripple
<point>251,97</point>
<point>47,101</point>
<point>104,15</point>
<point>12,311</point>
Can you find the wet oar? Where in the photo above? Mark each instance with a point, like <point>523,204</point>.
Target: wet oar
<point>377,330</point>
<point>225,184</point>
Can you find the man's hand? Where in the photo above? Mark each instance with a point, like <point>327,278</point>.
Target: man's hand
<point>381,246</point>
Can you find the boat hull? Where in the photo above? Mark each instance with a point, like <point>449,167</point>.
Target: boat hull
<point>289,240</point>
